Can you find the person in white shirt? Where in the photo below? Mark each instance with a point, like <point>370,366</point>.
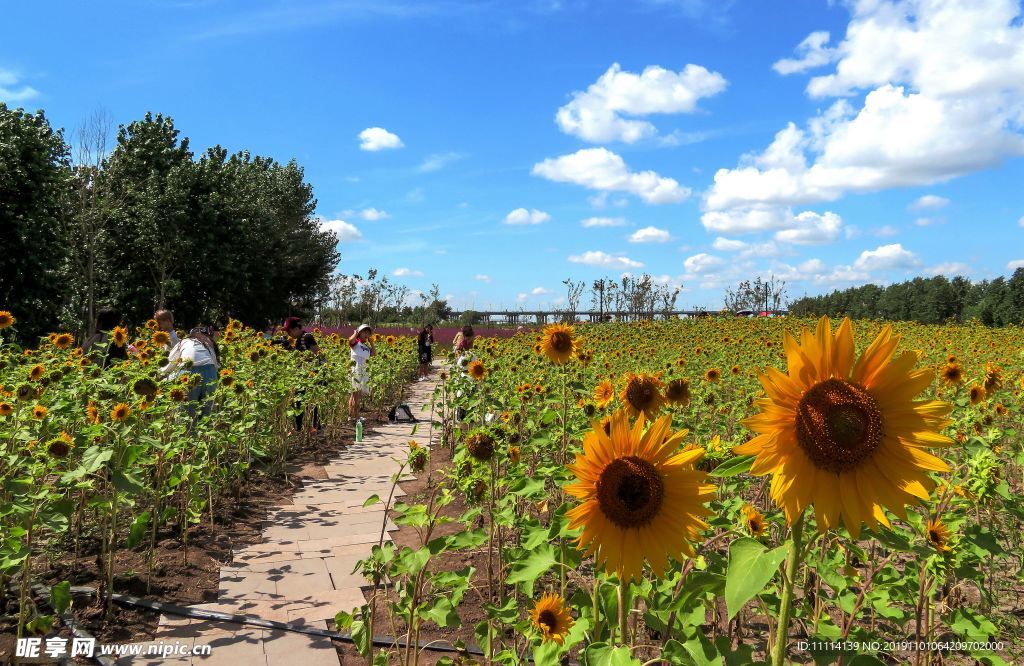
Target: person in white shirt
<point>196,354</point>
<point>361,349</point>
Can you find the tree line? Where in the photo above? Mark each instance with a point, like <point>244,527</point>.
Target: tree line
<point>998,302</point>
<point>134,220</point>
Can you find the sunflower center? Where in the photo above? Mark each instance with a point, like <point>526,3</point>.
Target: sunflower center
<point>630,492</point>
<point>838,425</point>
<point>561,342</point>
<point>547,619</point>
<point>640,394</point>
<point>934,536</point>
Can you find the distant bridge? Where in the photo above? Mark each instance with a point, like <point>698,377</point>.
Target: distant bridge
<point>514,317</point>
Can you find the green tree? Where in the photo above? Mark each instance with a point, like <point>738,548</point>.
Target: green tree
<point>34,178</point>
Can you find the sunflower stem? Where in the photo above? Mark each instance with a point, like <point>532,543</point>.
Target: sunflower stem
<point>793,558</point>
<point>624,601</point>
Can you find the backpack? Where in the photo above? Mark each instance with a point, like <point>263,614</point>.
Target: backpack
<point>401,414</point>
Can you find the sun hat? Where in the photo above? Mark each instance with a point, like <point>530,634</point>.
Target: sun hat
<point>363,327</point>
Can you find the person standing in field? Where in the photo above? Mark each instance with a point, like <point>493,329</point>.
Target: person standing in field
<point>298,339</point>
<point>424,346</point>
<point>165,322</point>
<point>196,354</point>
<point>360,349</point>
<point>110,338</point>
<point>463,345</point>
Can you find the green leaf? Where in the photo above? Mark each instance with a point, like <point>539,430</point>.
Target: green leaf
<point>733,467</point>
<point>138,529</point>
<point>601,654</point>
<point>972,626</point>
<point>442,613</point>
<point>94,457</point>
<point>530,568</point>
<point>60,596</point>
<point>371,500</point>
<point>343,620</point>
<point>751,566</point>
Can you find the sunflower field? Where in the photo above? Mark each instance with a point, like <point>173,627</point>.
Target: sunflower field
<point>717,491</point>
<point>94,460</point>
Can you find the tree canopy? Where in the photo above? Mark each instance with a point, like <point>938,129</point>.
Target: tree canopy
<point>149,225</point>
<point>999,302</point>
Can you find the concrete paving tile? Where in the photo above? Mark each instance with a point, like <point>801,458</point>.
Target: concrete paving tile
<point>286,648</point>
<point>245,585</point>
<point>316,545</point>
<point>326,605</point>
<point>244,647</point>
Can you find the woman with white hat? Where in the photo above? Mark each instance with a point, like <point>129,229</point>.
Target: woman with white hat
<point>360,349</point>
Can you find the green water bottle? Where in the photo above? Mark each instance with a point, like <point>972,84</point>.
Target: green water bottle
<point>359,430</point>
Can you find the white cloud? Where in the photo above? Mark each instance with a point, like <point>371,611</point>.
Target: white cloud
<point>601,169</point>
<point>806,228</point>
<point>601,201</point>
<point>1020,222</point>
<point>521,297</point>
<point>728,245</point>
<point>747,220</point>
<point>886,231</point>
<point>1015,264</point>
<point>523,216</point>
<point>539,291</point>
<point>812,266</point>
<point>813,53</point>
<point>944,84</point>
<point>598,114</point>
<point>599,258</point>
<point>702,263</point>
<point>407,272</point>
<point>812,229</point>
<point>949,269</point>
<point>886,257</point>
<point>927,221</point>
<point>482,278</point>
<point>372,214</point>
<point>377,138</point>
<point>344,231</point>
<point>438,161</point>
<point>929,202</point>
<point>650,235</point>
<point>12,90</point>
<point>592,222</point>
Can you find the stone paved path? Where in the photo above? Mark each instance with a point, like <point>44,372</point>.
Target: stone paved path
<point>302,570</point>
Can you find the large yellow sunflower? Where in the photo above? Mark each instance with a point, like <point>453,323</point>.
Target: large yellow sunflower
<point>63,340</point>
<point>119,335</point>
<point>641,498</point>
<point>6,319</point>
<point>642,393</point>
<point>557,343</point>
<point>604,393</point>
<point>552,618</point>
<point>678,391</point>
<point>477,370</point>
<point>845,436</point>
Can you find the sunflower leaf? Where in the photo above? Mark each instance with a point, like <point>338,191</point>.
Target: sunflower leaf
<point>751,566</point>
<point>733,467</point>
<point>533,566</point>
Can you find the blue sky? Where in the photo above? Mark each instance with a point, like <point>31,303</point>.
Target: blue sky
<point>498,148</point>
